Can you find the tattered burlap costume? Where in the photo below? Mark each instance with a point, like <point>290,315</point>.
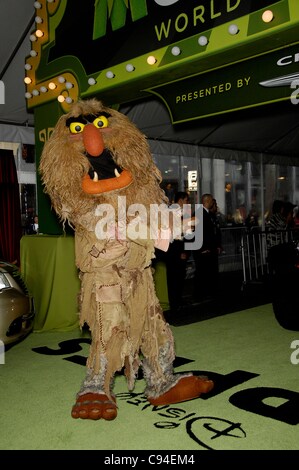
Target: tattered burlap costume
<point>119,303</point>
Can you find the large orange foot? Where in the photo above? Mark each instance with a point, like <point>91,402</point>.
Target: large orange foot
<point>187,388</point>
<point>94,406</point>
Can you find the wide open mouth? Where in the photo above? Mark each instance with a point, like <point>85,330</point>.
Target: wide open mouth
<point>105,175</point>
<point>103,167</point>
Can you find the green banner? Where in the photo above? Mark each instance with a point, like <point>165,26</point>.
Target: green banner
<point>264,79</point>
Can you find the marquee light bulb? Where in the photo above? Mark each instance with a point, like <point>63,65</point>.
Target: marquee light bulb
<point>110,74</point>
<point>61,98</point>
<point>52,86</point>
<point>267,16</point>
<point>202,40</point>
<point>233,29</point>
<point>39,33</point>
<point>130,68</point>
<point>91,81</point>
<point>151,60</point>
<point>27,80</point>
<point>175,51</point>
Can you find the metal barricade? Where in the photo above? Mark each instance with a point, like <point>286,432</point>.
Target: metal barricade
<point>255,245</point>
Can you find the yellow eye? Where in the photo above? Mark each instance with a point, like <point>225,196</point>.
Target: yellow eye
<point>76,127</point>
<point>101,122</point>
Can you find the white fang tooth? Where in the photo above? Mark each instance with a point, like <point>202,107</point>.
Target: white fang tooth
<point>117,174</point>
<point>95,177</point>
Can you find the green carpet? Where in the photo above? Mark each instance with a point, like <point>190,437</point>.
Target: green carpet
<point>255,404</point>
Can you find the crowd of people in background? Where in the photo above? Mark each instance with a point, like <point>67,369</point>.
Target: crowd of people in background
<point>283,216</point>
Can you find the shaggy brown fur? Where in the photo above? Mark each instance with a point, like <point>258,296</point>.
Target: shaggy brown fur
<point>118,299</point>
<point>129,148</point>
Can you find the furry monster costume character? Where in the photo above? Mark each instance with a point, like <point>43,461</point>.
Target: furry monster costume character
<point>94,156</point>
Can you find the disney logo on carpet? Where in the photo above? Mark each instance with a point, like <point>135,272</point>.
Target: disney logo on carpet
<point>272,402</point>
<point>201,429</point>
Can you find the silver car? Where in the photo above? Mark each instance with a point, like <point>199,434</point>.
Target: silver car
<point>16,305</point>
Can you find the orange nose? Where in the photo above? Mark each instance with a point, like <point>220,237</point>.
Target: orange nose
<point>93,140</point>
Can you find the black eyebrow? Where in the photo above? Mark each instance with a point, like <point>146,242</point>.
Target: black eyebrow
<point>85,118</point>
